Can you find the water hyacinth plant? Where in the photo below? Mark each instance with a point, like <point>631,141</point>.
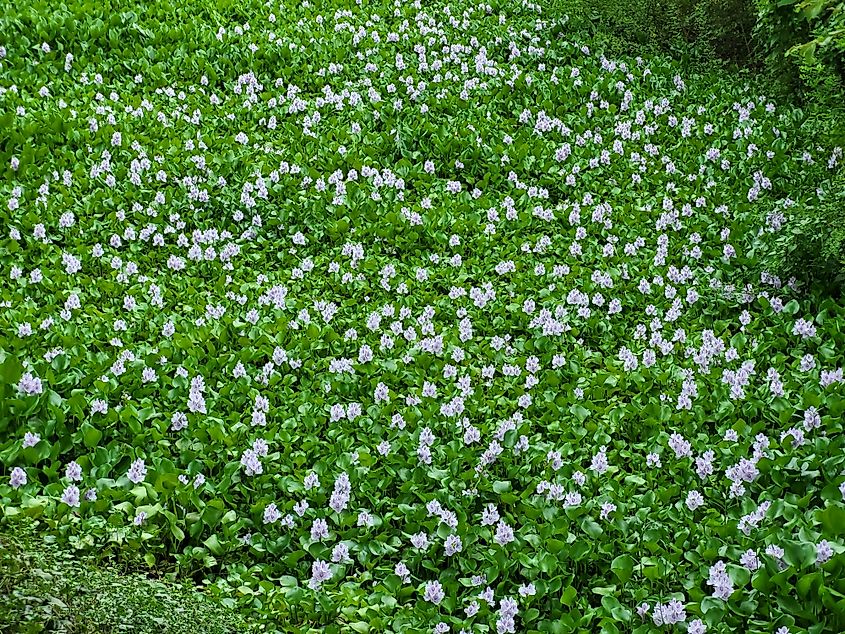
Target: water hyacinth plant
<point>415,317</point>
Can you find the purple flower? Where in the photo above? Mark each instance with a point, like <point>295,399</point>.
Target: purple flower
<point>720,581</point>
<point>824,551</point>
<point>680,446</point>
<point>750,560</point>
<point>669,614</point>
<point>70,496</point>
<point>319,530</point>
<point>434,592</point>
<point>73,471</point>
<point>320,572</point>
<point>18,478</point>
<point>340,553</point>
<point>30,384</point>
<point>694,500</point>
<point>504,534</point>
<point>137,472</point>
<point>606,509</point>
<point>271,514</point>
<point>696,627</point>
<point>453,545</point>
<point>402,571</point>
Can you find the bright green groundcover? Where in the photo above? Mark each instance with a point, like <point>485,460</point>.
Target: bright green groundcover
<point>414,317</point>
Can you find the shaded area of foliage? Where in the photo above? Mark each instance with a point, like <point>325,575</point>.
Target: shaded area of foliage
<point>47,587</point>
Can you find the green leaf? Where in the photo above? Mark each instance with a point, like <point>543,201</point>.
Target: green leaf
<point>591,527</point>
<point>798,554</point>
<point>91,435</point>
<point>623,567</point>
<point>213,545</point>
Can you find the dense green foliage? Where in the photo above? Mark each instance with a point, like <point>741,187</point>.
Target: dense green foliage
<point>798,46</point>
<point>696,30</point>
<point>47,587</point>
<point>411,317</point>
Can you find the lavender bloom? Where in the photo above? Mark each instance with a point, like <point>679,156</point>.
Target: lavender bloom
<point>340,553</point>
<point>504,534</point>
<point>401,571</point>
<point>720,581</point>
<point>750,560</point>
<point>18,478</point>
<point>73,471</point>
<point>694,500</point>
<point>453,545</point>
<point>70,496</point>
<point>320,572</point>
<point>271,514</point>
<point>824,552</point>
<point>527,590</point>
<point>696,627</point>
<point>680,446</point>
<point>137,472</point>
<point>319,530</point>
<point>669,613</point>
<point>30,385</point>
<point>434,592</point>
<point>251,463</point>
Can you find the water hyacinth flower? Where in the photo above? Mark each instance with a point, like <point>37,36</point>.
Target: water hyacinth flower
<point>320,572</point>
<point>17,478</point>
<point>73,471</point>
<point>401,571</point>
<point>694,500</point>
<point>434,592</point>
<point>504,534</point>
<point>720,581</point>
<point>452,545</point>
<point>824,552</point>
<point>527,590</point>
<point>30,385</point>
<point>70,496</point>
<point>750,560</point>
<point>419,541</point>
<point>319,530</point>
<point>271,514</point>
<point>340,554</point>
<point>669,613</point>
<point>137,471</point>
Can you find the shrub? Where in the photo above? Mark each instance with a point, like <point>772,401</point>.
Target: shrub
<point>703,30</point>
<point>45,587</point>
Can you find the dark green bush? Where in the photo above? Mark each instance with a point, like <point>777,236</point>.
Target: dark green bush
<point>700,30</point>
<point>812,246</point>
<point>793,32</point>
<point>47,587</point>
